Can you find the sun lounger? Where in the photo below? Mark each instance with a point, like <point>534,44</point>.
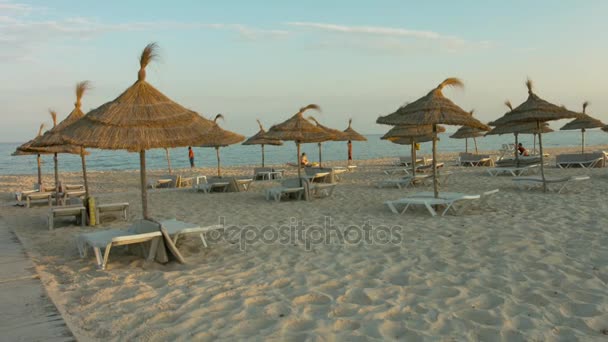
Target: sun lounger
<point>79,212</point>
<point>72,187</point>
<point>122,208</point>
<point>177,228</point>
<point>243,184</point>
<point>38,196</point>
<point>289,187</point>
<point>428,167</point>
<point>20,195</point>
<point>215,186</point>
<point>141,232</point>
<point>67,196</point>
<point>407,161</point>
<point>396,170</point>
<point>535,182</point>
<point>322,189</point>
<point>403,182</point>
<point>468,159</point>
<point>483,198</point>
<point>586,160</point>
<point>513,171</point>
<point>446,199</point>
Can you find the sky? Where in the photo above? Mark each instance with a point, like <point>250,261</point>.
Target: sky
<point>265,59</point>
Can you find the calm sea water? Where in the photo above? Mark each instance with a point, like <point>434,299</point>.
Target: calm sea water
<point>250,155</point>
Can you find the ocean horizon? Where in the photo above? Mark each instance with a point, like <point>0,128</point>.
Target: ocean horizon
<point>237,155</point>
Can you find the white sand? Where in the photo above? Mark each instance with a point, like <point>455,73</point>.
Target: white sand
<point>533,266</point>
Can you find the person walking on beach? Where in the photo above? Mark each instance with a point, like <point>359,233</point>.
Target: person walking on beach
<point>191,156</point>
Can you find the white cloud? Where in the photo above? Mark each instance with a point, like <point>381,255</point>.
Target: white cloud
<point>21,35</point>
<point>390,38</point>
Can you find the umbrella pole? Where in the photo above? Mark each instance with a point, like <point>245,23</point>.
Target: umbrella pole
<point>542,158</point>
<point>56,179</point>
<point>435,185</point>
<point>516,151</point>
<point>39,172</point>
<point>299,161</point>
<point>217,153</point>
<point>262,155</point>
<point>413,161</point>
<point>84,176</point>
<point>466,145</point>
<point>168,160</point>
<point>144,188</point>
<point>320,159</point>
<point>475,141</point>
<point>583,141</point>
<point>534,146</point>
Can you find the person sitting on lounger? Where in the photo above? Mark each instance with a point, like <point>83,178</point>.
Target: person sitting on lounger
<point>304,160</point>
<point>522,150</point>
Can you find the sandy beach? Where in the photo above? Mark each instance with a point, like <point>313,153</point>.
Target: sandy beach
<point>528,266</point>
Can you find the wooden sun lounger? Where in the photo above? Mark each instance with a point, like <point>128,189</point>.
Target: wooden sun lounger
<point>79,212</point>
<point>38,196</point>
<point>112,207</point>
<point>535,182</point>
<point>68,195</point>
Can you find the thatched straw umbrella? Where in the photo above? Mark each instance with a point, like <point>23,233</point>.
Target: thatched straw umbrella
<point>465,133</point>
<point>27,150</point>
<point>433,109</point>
<point>411,135</point>
<point>139,119</point>
<point>299,130</point>
<point>583,123</point>
<point>219,137</point>
<point>335,134</point>
<point>54,137</point>
<point>261,139</point>
<point>350,135</point>
<point>520,128</point>
<point>537,110</point>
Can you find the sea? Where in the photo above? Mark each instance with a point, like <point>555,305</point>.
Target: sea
<point>235,155</point>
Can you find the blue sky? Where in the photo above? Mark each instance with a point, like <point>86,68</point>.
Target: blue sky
<point>266,59</point>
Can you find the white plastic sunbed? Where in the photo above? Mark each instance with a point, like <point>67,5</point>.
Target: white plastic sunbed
<point>513,171</point>
<point>535,182</point>
<point>288,186</point>
<point>177,228</point>
<point>446,199</point>
<point>403,182</point>
<point>102,241</point>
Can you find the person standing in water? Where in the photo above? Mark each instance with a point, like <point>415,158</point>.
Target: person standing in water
<point>191,156</point>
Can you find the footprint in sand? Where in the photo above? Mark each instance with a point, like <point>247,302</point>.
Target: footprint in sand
<point>249,327</point>
<point>297,325</point>
<point>479,316</point>
<point>280,283</point>
<point>343,311</point>
<point>390,330</point>
<point>257,301</point>
<point>579,310</point>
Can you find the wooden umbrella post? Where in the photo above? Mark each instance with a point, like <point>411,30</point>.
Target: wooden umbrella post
<point>217,153</point>
<point>168,160</point>
<point>435,185</point>
<point>262,155</point>
<point>320,157</point>
<point>56,179</point>
<point>299,162</point>
<point>413,161</point>
<point>39,171</point>
<point>466,145</point>
<point>516,150</point>
<point>475,142</point>
<point>583,141</point>
<point>84,175</point>
<point>144,188</point>
<point>542,158</point>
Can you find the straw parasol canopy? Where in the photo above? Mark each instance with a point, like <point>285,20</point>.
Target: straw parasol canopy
<point>219,137</point>
<point>583,123</point>
<point>54,137</point>
<point>336,136</point>
<point>433,109</point>
<point>411,135</point>
<point>139,119</point>
<point>350,135</point>
<point>300,131</point>
<point>537,110</point>
<point>466,132</point>
<point>26,149</point>
<point>261,139</point>
<point>520,128</point>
